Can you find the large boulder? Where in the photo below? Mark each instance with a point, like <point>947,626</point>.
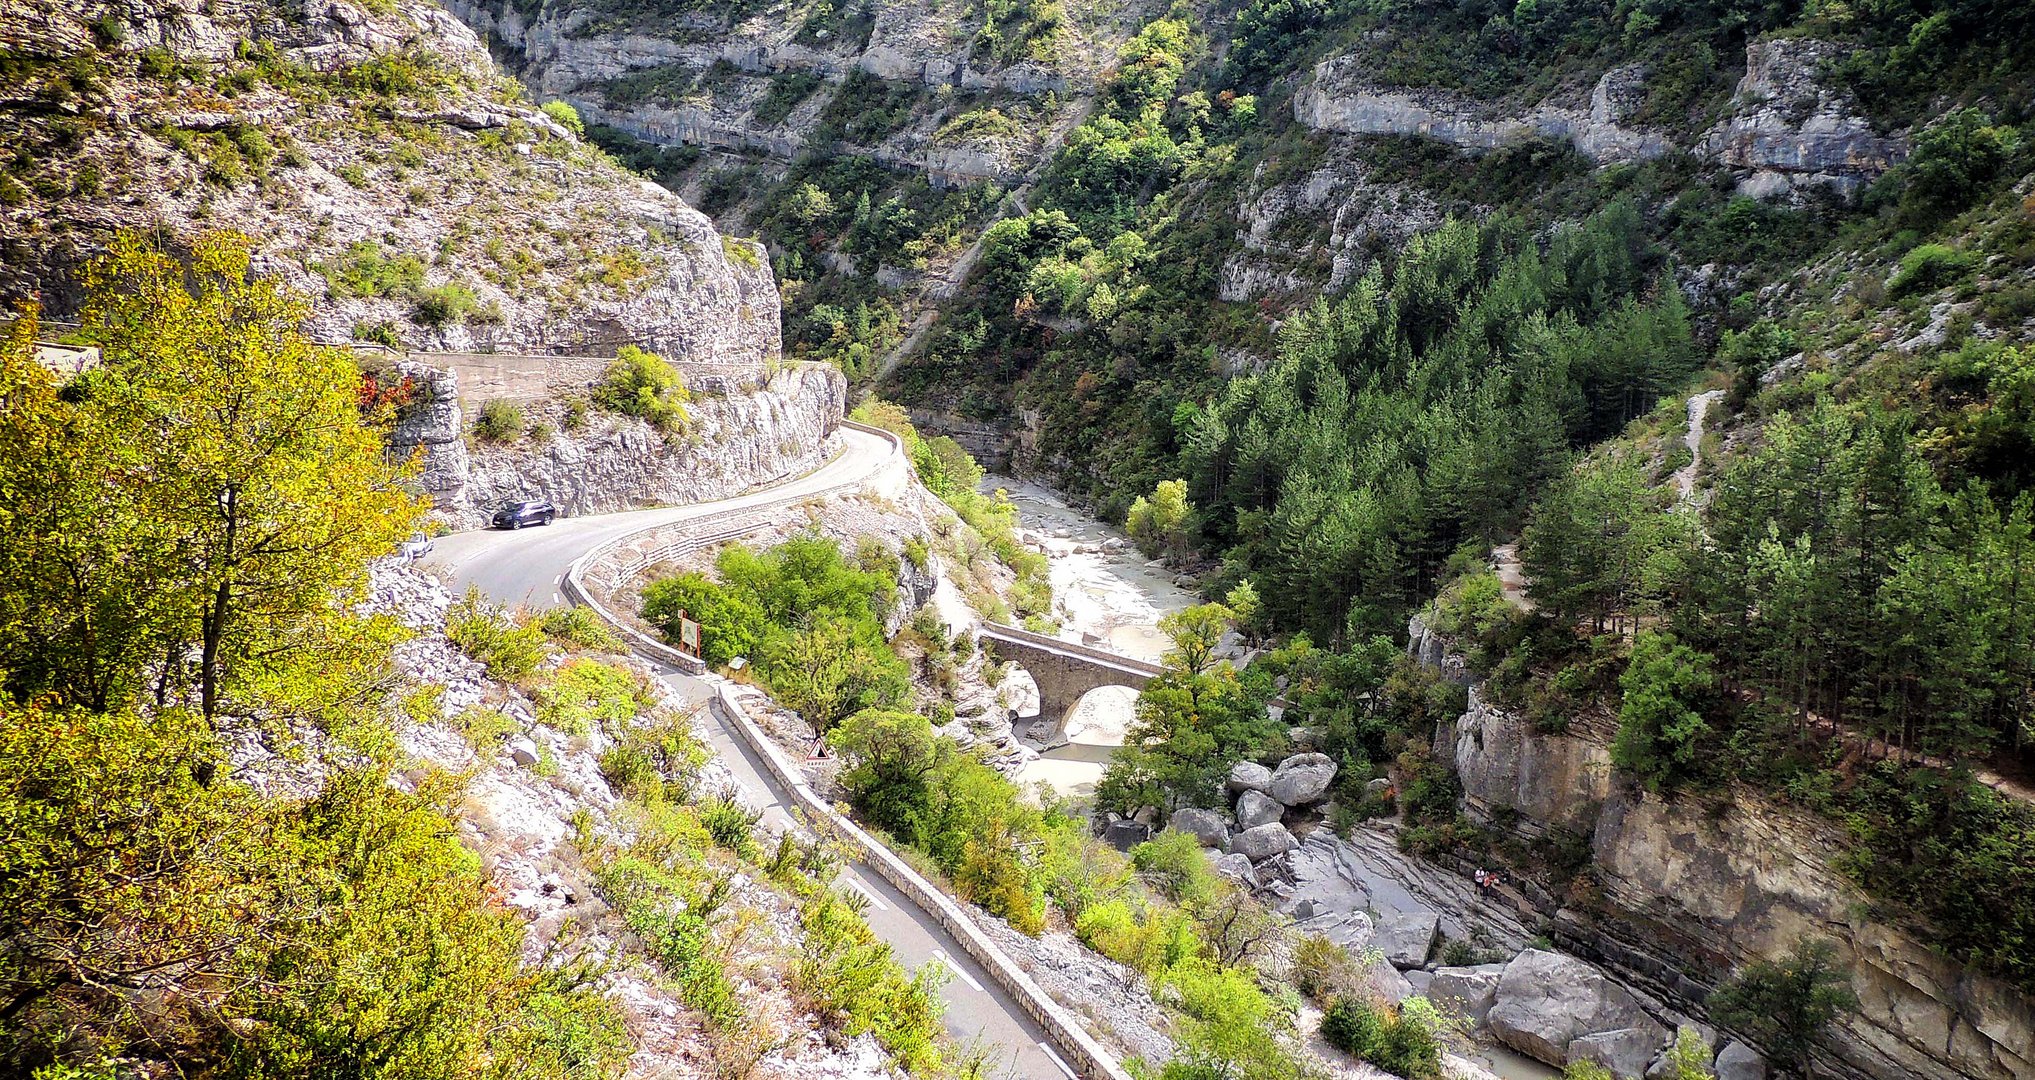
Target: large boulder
<point>1625,1051</point>
<point>1249,776</point>
<point>1546,1001</point>
<point>1468,991</point>
<point>1740,1062</point>
<point>1263,842</point>
<point>1302,779</point>
<point>1406,937</point>
<point>1209,827</point>
<point>1255,809</point>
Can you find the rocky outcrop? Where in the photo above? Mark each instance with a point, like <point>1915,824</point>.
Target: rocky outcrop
<point>731,443</point>
<point>1340,97</point>
<point>1786,129</point>
<point>451,216</point>
<point>1691,889</point>
<point>1506,767</point>
<point>577,54</point>
<point>1249,776</point>
<point>1283,248</point>
<point>1263,842</point>
<point>1469,992</point>
<point>1789,129</point>
<point>1255,809</point>
<point>1208,827</point>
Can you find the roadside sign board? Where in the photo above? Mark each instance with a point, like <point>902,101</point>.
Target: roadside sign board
<point>689,635</point>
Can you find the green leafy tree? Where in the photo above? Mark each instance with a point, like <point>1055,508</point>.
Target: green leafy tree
<point>1159,524</point>
<point>1661,730</point>
<point>1786,1004</point>
<point>1196,633</point>
<point>224,487</point>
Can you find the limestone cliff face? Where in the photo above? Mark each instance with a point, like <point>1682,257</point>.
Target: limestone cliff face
<point>718,80</point>
<point>1786,129</point>
<point>1692,887</point>
<point>1340,98</point>
<point>1789,130</point>
<point>382,165</point>
<point>1316,232</point>
<point>737,437</point>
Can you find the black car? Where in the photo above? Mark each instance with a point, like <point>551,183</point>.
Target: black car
<point>515,515</point>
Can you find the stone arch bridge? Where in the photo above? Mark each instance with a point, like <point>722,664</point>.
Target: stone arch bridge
<point>1064,671</point>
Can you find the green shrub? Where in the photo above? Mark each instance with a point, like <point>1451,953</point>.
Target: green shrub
<point>731,625</point>
<point>499,421</point>
<point>566,116</point>
<point>364,270</point>
<point>445,304</point>
<point>486,633</point>
<point>1929,267</point>
<point>856,985</point>
<point>642,384</point>
<point>730,824</point>
<point>655,763</point>
<point>588,692</point>
<point>576,625</point>
<point>1404,1041</point>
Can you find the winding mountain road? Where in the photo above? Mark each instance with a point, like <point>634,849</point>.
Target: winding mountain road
<point>526,568</point>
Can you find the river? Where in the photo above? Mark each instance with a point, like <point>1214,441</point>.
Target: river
<point>1104,594</point>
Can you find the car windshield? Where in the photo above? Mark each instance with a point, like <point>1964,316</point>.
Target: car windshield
<point>513,506</point>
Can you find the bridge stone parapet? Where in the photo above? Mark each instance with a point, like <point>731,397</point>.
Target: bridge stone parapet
<point>1064,671</point>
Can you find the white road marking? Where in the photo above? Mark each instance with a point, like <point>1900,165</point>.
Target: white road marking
<point>1071,1074</point>
<point>555,599</point>
<point>872,897</point>
<point>559,580</point>
<point>942,957</point>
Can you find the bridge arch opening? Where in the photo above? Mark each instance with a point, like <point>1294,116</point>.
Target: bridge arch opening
<point>1075,756</point>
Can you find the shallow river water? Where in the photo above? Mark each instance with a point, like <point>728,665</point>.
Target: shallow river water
<point>1105,595</point>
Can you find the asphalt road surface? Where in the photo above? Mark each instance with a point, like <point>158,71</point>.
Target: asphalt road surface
<point>526,568</point>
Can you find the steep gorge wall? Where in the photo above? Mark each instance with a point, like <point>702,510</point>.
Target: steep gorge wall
<point>921,46</point>
<point>1785,129</point>
<point>1690,888</point>
<point>382,166</point>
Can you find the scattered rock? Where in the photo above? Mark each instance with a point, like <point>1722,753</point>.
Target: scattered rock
<point>1546,1000</point>
<point>1740,1062</point>
<point>1379,788</point>
<point>1237,868</point>
<point>522,750</point>
<point>1209,827</point>
<point>1302,779</point>
<point>1263,842</point>
<point>1624,1051</point>
<point>1255,809</point>
<point>1249,776</point>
